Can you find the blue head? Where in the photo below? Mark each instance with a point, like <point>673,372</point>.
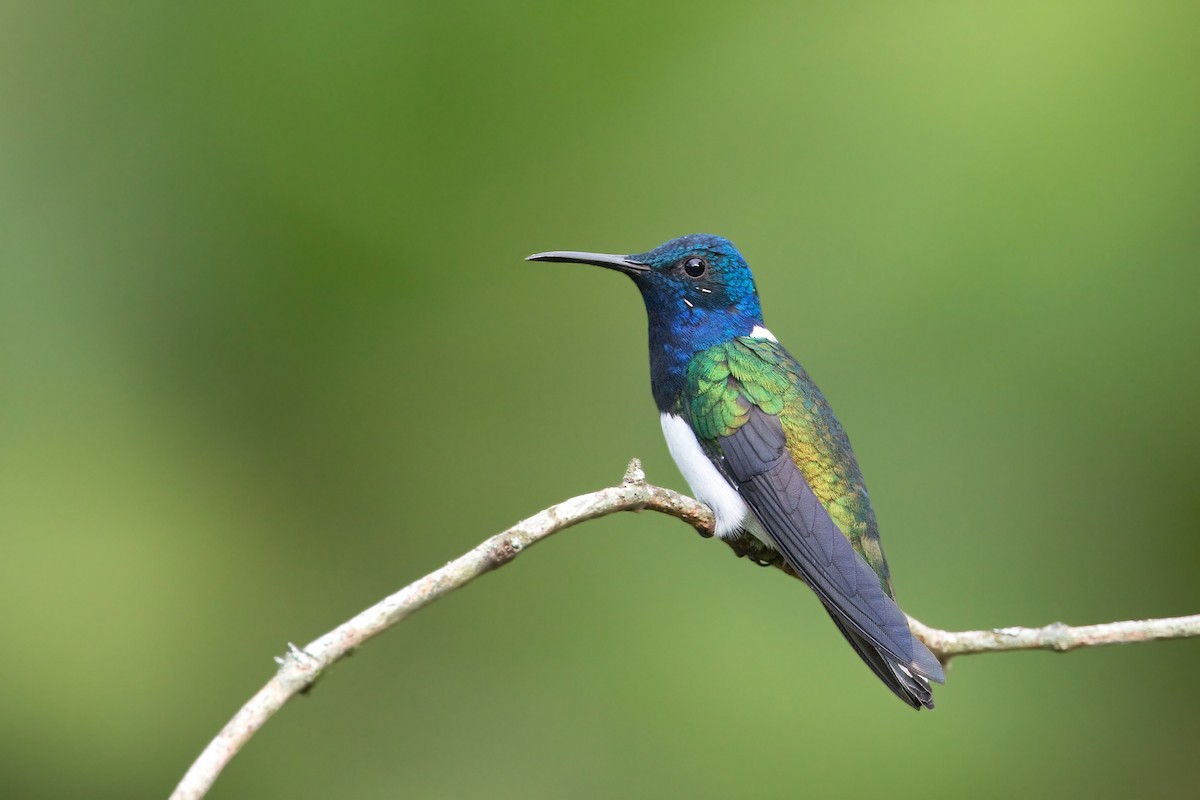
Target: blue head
<point>698,292</point>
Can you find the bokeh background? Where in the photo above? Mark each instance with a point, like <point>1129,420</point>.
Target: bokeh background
<point>269,351</point>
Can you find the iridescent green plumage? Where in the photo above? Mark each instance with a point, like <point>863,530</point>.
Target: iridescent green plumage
<point>726,380</point>
<point>758,444</point>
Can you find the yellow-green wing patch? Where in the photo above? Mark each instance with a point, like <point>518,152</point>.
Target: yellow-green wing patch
<point>726,380</point>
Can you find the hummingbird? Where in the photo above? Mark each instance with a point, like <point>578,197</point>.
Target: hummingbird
<point>757,442</point>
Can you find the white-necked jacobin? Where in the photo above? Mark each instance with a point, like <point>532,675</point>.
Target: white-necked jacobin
<point>757,442</point>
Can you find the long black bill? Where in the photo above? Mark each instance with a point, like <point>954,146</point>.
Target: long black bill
<point>619,263</point>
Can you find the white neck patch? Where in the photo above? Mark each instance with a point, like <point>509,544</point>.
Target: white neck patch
<point>759,332</point>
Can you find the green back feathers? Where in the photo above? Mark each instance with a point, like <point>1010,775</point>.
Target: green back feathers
<point>726,380</point>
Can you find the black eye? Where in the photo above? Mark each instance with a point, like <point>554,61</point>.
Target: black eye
<point>695,266</point>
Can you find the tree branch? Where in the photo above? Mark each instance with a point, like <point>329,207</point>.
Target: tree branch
<point>301,667</point>
<point>1055,636</point>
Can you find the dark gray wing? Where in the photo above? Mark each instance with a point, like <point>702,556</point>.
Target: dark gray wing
<point>911,689</point>
<point>755,457</point>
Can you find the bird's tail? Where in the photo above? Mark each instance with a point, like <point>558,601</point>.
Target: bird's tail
<point>909,686</point>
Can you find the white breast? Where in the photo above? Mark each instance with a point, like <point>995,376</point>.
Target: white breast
<point>708,485</point>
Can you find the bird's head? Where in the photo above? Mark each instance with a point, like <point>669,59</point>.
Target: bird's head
<point>690,283</point>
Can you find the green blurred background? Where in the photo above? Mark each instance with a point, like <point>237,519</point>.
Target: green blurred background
<point>269,352</point>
